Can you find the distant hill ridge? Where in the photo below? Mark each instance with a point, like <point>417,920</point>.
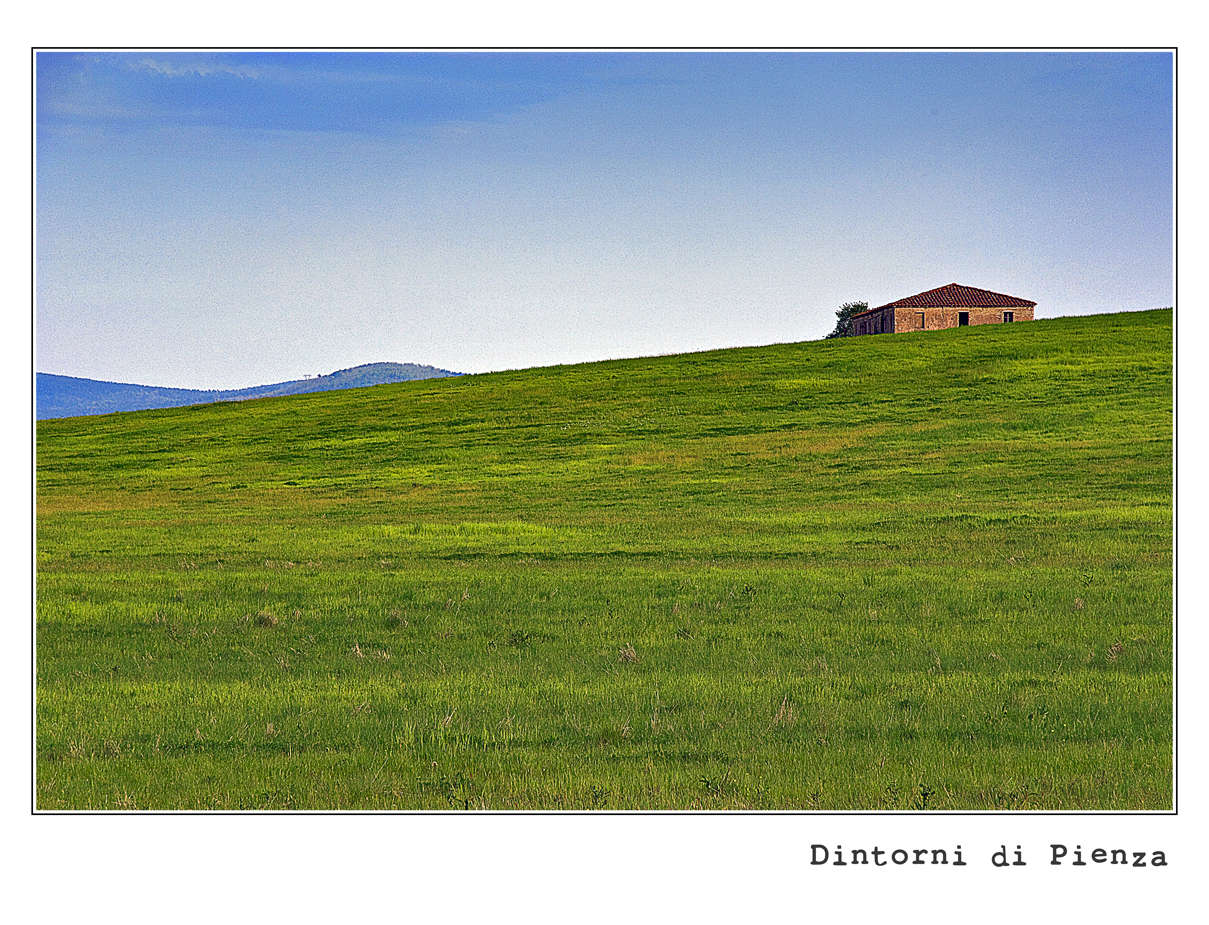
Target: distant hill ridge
<point>69,396</point>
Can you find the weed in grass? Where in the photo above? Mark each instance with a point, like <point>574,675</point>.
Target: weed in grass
<point>921,799</point>
<point>455,790</point>
<point>1011,797</point>
<point>627,654</point>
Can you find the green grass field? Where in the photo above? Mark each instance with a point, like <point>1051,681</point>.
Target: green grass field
<point>903,572</point>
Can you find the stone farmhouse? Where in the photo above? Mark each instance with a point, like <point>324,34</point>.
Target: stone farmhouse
<point>950,306</point>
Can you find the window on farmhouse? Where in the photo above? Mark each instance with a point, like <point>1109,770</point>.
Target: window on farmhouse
<point>1009,316</point>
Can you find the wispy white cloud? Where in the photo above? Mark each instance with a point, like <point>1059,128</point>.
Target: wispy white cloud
<point>179,68</point>
<point>456,129</point>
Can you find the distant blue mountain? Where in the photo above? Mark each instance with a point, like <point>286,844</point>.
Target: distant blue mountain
<point>68,396</point>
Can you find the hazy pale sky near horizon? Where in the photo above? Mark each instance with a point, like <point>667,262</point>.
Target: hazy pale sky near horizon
<point>218,220</point>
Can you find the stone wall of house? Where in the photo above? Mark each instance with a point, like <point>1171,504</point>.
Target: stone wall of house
<point>876,322</point>
<point>935,319</point>
<point>904,320</point>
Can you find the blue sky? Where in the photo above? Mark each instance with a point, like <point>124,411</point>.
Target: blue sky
<point>217,220</point>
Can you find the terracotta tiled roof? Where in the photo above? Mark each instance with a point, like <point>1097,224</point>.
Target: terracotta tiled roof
<point>955,296</point>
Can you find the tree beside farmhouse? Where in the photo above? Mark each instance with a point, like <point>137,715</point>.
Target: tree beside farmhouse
<point>843,318</point>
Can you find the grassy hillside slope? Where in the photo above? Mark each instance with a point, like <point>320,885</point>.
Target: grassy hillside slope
<point>909,572</point>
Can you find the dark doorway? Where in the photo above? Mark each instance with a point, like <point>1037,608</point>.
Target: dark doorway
<point>963,318</point>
